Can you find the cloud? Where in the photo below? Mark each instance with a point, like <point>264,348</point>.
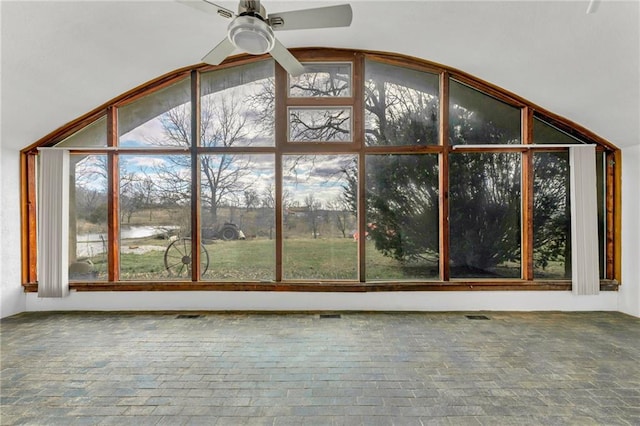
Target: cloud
<point>145,161</point>
<point>320,175</point>
<point>150,133</point>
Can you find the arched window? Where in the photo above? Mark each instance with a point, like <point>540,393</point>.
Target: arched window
<point>368,172</point>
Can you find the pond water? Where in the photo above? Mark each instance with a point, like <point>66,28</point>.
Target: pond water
<point>95,243</point>
<point>129,232</point>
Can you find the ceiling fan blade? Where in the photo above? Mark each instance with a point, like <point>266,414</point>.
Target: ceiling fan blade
<point>286,59</point>
<point>219,53</point>
<point>322,17</point>
<point>208,7</point>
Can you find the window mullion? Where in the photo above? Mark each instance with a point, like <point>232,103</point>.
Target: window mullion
<point>195,176</point>
<point>113,198</point>
<point>526,232</point>
<point>281,123</point>
<point>443,166</point>
<point>358,137</point>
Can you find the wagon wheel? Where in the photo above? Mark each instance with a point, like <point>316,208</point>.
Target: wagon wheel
<point>177,258</point>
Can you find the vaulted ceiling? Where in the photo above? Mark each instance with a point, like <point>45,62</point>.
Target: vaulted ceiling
<point>62,59</point>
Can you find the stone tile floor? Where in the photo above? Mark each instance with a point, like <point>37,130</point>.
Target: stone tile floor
<point>304,369</point>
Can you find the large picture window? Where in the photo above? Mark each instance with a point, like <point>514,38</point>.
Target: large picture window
<point>367,172</point>
<point>402,236</point>
<point>318,220</point>
<point>484,215</point>
<point>88,224</point>
<point>154,212</point>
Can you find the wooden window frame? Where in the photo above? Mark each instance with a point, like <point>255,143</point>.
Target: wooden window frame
<point>357,146</point>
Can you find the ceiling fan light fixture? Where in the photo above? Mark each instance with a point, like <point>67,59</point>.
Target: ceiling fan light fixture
<point>251,35</point>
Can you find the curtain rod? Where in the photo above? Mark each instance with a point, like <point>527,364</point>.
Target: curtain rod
<point>515,146</point>
<point>527,146</point>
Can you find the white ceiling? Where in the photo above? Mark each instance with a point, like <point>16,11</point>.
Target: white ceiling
<point>62,59</point>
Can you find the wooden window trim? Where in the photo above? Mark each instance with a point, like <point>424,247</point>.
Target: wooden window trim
<point>195,174</point>
<point>527,174</point>
<point>356,146</point>
<point>327,286</point>
<point>113,197</point>
<point>28,213</point>
<point>443,180</point>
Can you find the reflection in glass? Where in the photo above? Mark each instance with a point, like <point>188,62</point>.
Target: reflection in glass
<point>162,119</point>
<point>319,217</point>
<point>402,237</point>
<point>320,125</point>
<point>401,106</point>
<point>544,133</point>
<point>154,198</point>
<point>484,215</point>
<point>322,80</point>
<point>88,218</point>
<point>237,213</point>
<point>92,135</point>
<point>238,106</point>
<point>551,216</point>
<point>477,118</point>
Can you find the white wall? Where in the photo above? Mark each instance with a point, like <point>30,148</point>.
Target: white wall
<point>630,290</point>
<point>12,298</point>
<point>283,301</point>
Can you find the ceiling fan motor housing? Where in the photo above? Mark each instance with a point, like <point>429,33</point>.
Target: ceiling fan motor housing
<point>251,34</point>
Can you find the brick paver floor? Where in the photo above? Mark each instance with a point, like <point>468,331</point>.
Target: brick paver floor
<point>312,369</point>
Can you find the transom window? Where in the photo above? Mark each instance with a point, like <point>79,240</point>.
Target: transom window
<point>366,172</point>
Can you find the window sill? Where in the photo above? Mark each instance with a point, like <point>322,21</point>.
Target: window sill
<point>314,286</point>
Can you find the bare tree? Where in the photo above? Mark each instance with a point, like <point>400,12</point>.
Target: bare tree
<point>251,199</point>
<point>326,124</point>
<point>268,201</point>
<point>268,198</point>
<point>313,206</point>
<point>342,213</point>
<point>223,175</point>
<point>129,194</point>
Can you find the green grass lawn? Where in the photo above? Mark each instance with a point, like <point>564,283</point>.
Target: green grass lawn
<point>303,259</point>
<point>254,260</point>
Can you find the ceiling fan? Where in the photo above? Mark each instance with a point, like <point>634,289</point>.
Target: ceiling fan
<point>251,29</point>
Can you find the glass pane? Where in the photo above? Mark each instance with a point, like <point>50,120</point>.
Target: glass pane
<point>319,217</point>
<point>477,118</point>
<point>551,216</point>
<point>88,218</point>
<point>401,106</point>
<point>93,135</point>
<point>320,124</point>
<point>155,195</point>
<point>402,240</point>
<point>322,80</point>
<point>238,106</point>
<point>544,133</point>
<point>162,119</point>
<point>237,211</point>
<point>484,215</point>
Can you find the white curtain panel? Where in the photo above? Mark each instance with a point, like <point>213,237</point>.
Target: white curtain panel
<point>53,223</point>
<point>584,221</point>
